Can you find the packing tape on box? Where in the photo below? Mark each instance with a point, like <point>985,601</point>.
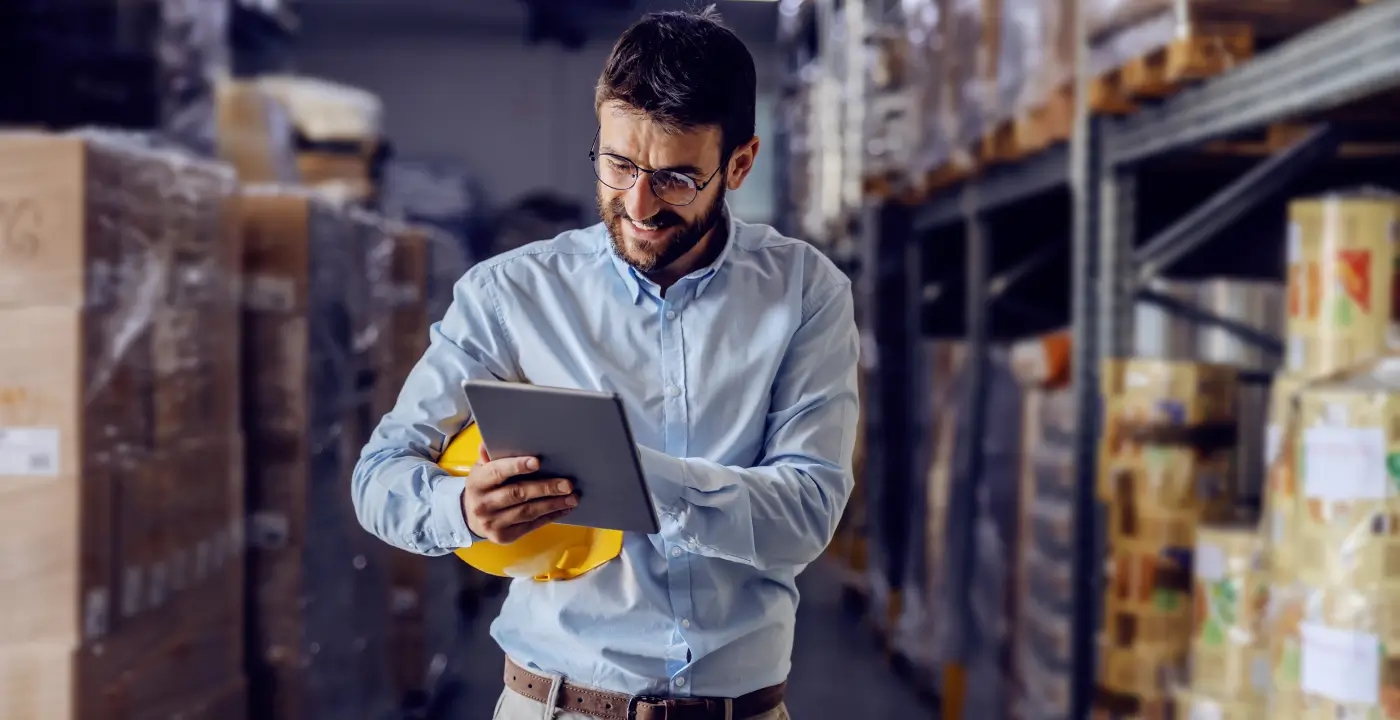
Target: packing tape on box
<point>1191,705</point>
<point>1146,672</point>
<point>1229,587</point>
<point>1130,523</point>
<point>1229,671</point>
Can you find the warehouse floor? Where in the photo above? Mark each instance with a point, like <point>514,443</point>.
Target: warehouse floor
<point>837,670</point>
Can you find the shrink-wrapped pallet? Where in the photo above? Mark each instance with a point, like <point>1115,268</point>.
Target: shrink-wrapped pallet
<point>319,592</point>
<point>1332,633</point>
<point>1165,467</point>
<point>1341,281</point>
<point>120,431</point>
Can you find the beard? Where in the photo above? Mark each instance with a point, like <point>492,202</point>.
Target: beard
<point>657,255</point>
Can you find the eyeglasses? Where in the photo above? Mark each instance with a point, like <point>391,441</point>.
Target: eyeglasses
<point>620,173</point>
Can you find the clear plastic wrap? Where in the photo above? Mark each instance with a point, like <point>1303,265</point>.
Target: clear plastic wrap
<point>139,65</point>
<point>1342,305</point>
<point>319,278</point>
<point>923,21</point>
<point>255,134</point>
<point>967,64</point>
<point>1229,654</point>
<point>1333,628</point>
<point>119,424</point>
<point>1166,464</point>
<point>1218,33</point>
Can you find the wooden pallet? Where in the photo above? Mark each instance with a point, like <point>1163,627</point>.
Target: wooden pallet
<point>1046,124</point>
<point>950,174</point>
<point>1184,61</point>
<point>1281,136</point>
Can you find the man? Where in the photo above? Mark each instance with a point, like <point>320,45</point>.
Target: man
<point>734,350</point>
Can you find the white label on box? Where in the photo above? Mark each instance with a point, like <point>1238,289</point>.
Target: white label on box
<point>1273,443</point>
<point>131,592</point>
<point>158,585</point>
<point>1204,709</point>
<point>1261,674</point>
<point>1341,665</point>
<point>268,293</point>
<point>1344,463</point>
<point>1295,243</point>
<point>29,451</point>
<point>96,612</point>
<point>1210,562</point>
<point>1297,353</point>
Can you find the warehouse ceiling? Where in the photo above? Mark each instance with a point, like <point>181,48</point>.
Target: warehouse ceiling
<point>562,22</point>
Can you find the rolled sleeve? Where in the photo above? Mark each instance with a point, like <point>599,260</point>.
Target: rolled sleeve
<point>400,494</point>
<point>447,523</point>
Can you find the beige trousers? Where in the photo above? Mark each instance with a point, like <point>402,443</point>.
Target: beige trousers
<point>514,706</point>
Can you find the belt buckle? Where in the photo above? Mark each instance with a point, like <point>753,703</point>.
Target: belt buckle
<point>648,699</point>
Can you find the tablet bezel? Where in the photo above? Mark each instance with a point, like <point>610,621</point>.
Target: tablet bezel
<point>494,390</point>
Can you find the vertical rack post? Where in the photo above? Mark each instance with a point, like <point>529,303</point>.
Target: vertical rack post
<point>889,287</point>
<point>1084,171</point>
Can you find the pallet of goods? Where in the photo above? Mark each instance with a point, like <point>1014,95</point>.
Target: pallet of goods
<point>318,589</point>
<point>1166,467</point>
<point>121,444</point>
<point>1145,50</point>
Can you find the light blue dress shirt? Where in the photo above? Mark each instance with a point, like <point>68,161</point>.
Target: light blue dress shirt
<point>740,386</point>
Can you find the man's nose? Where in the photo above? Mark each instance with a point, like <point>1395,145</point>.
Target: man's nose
<point>640,201</point>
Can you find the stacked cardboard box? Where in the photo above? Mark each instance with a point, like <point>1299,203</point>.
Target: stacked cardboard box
<point>1166,455</point>
<point>120,439</point>
<point>1229,660</point>
<point>406,337</point>
<point>1331,493</point>
<point>318,615</point>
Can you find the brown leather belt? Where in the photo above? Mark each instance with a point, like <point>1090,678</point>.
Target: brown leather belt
<point>616,706</point>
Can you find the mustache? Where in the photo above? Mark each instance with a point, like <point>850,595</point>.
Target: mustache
<point>660,221</point>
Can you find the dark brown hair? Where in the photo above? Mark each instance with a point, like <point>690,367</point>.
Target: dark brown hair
<point>684,70</point>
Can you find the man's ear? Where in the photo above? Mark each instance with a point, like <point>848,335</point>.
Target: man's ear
<point>740,163</point>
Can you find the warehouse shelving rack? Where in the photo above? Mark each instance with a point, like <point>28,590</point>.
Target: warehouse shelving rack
<point>1315,76</point>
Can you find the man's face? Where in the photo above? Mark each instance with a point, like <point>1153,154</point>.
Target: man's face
<point>647,232</point>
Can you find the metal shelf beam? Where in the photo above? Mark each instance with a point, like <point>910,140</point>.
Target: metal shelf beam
<point>1236,200</point>
<point>997,188</point>
<point>1352,57</point>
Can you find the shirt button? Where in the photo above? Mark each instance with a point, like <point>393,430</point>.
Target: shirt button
<point>673,391</point>
<point>685,623</point>
<point>680,682</point>
<point>671,315</point>
<point>675,552</point>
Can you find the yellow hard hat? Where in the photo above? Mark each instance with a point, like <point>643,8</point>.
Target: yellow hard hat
<point>553,552</point>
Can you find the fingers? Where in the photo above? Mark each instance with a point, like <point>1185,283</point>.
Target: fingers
<point>509,525</point>
<point>493,473</point>
<point>481,456</point>
<point>515,532</point>
<point>523,491</point>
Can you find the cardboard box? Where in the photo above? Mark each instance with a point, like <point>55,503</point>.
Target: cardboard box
<point>1341,281</point>
<point>318,588</point>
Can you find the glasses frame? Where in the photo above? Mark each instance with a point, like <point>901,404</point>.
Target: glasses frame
<point>700,185</point>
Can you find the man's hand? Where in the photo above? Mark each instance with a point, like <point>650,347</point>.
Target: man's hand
<point>501,511</point>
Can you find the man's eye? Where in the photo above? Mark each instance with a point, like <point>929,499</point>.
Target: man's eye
<point>620,166</point>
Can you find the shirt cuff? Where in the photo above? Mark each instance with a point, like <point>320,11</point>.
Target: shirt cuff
<point>665,477</point>
<point>447,523</point>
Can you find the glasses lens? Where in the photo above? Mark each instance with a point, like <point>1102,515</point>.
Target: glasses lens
<point>673,188</point>
<point>615,172</point>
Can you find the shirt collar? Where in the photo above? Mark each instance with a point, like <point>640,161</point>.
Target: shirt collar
<point>635,281</point>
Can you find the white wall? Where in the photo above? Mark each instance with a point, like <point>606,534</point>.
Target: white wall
<point>521,116</point>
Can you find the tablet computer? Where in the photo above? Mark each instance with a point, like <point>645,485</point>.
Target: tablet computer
<point>578,435</point>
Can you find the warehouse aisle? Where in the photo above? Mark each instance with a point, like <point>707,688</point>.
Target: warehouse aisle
<point>837,673</point>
